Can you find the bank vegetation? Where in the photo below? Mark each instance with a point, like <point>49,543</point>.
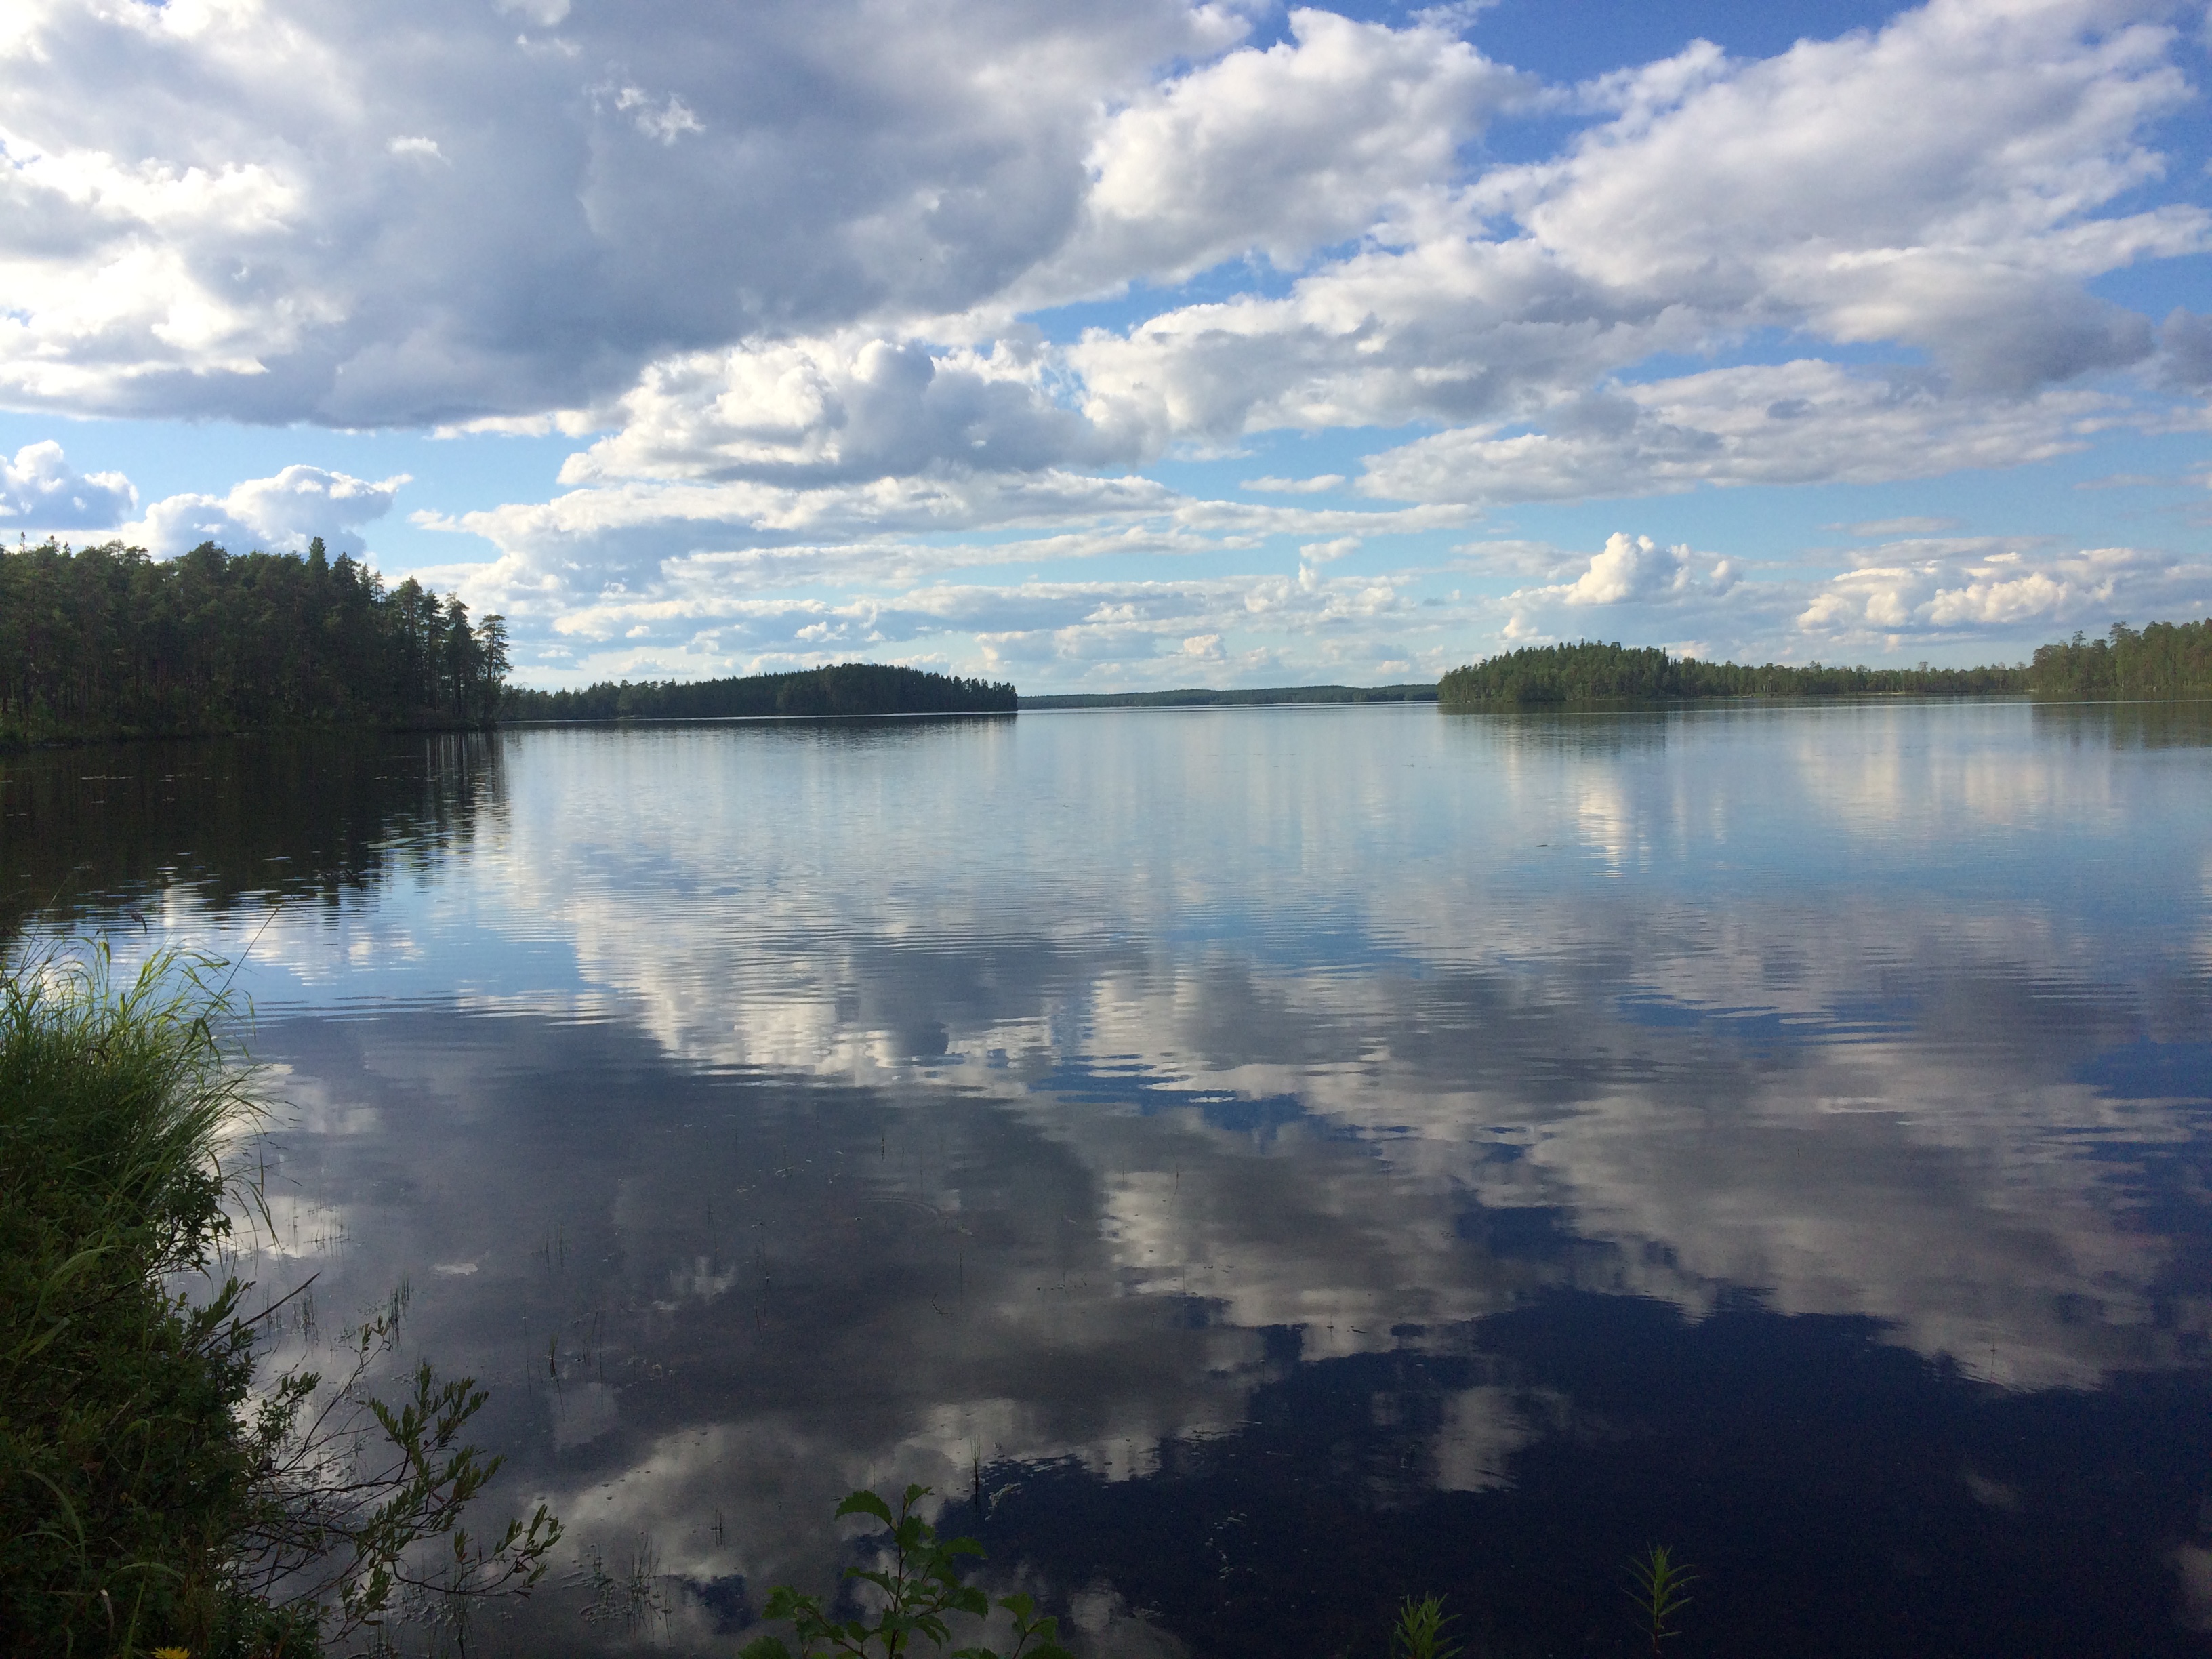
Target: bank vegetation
<point>159,1486</point>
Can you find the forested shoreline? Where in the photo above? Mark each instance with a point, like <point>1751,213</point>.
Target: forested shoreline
<point>2164,659</point>
<point>1593,671</point>
<point>108,642</point>
<point>853,688</point>
<point>1206,697</point>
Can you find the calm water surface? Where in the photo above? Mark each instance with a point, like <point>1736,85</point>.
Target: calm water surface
<point>1258,1164</point>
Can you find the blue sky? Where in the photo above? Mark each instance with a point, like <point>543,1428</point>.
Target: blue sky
<point>1135,344</point>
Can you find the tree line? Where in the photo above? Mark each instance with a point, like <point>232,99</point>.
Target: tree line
<point>1206,697</point>
<point>2164,659</point>
<point>106,642</point>
<point>854,687</point>
<point>1592,671</point>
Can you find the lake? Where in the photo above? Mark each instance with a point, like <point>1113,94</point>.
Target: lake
<point>1256,1163</point>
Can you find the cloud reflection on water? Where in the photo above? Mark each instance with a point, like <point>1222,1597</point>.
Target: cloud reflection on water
<point>849,1103</point>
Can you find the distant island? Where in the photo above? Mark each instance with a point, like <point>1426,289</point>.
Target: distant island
<point>853,688</point>
<point>2164,660</point>
<point>1200,697</point>
<point>1590,672</point>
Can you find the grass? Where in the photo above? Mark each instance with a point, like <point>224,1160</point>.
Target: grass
<point>125,1469</point>
<point>154,1493</point>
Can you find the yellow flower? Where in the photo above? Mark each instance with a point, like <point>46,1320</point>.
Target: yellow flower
<point>173,1653</point>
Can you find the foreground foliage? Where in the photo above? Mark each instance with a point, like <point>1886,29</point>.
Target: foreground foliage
<point>149,1496</point>
<point>919,1587</point>
<point>852,688</point>
<point>105,641</point>
<point>915,1591</point>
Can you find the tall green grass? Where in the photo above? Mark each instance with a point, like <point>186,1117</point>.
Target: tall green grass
<point>127,1467</point>
<point>154,1491</point>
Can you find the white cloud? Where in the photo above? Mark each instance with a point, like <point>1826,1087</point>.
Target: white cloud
<point>1631,568</point>
<point>1313,486</point>
<point>1934,591</point>
<point>204,212</point>
<point>40,491</point>
<point>850,408</point>
<point>1808,422</point>
<point>2000,596</point>
<point>1327,552</point>
<point>1628,571</point>
<point>1280,152</point>
<point>1936,185</point>
<point>280,515</point>
<point>663,119</point>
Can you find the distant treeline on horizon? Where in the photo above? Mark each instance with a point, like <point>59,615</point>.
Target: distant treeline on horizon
<point>2163,659</point>
<point>103,642</point>
<point>108,642</point>
<point>855,688</point>
<point>1203,697</point>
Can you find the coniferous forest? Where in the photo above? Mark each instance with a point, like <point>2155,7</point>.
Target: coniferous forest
<point>853,688</point>
<point>106,642</point>
<point>1590,672</point>
<point>2164,660</point>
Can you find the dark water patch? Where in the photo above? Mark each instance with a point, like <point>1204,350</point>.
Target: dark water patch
<point>1837,1495</point>
<point>2147,1070</point>
<point>88,834</point>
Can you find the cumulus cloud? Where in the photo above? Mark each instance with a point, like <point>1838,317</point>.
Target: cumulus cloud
<point>280,515</point>
<point>1807,422</point>
<point>40,491</point>
<point>1637,569</point>
<point>1938,185</point>
<point>1318,485</point>
<point>791,275</point>
<point>837,409</point>
<point>1141,632</point>
<point>2005,594</point>
<point>1627,571</point>
<point>1281,151</point>
<point>207,214</point>
<point>1935,590</point>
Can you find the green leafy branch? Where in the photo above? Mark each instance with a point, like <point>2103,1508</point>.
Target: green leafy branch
<point>1658,1587</point>
<point>1419,1632</point>
<point>919,1590</point>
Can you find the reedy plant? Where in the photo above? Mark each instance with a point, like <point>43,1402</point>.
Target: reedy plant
<point>1658,1586</point>
<point>1419,1632</point>
<point>920,1589</point>
<point>145,1498</point>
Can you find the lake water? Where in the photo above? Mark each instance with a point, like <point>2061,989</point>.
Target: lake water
<point>1257,1164</point>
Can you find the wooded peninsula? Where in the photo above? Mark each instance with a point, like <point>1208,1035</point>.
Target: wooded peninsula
<point>108,642</point>
<point>852,688</point>
<point>2165,660</point>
